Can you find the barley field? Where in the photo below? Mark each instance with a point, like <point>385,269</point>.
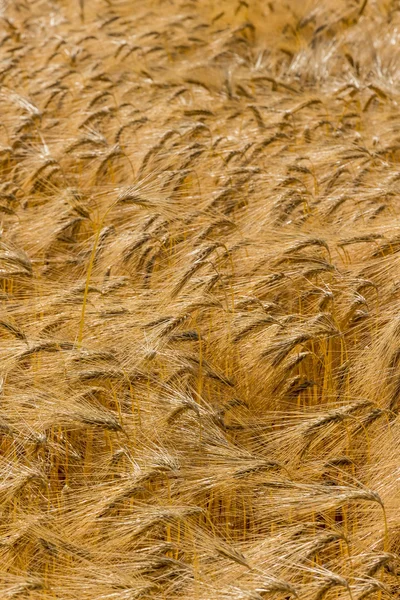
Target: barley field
<point>200,299</point>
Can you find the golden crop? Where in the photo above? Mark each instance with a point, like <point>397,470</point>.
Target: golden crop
<point>200,293</point>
